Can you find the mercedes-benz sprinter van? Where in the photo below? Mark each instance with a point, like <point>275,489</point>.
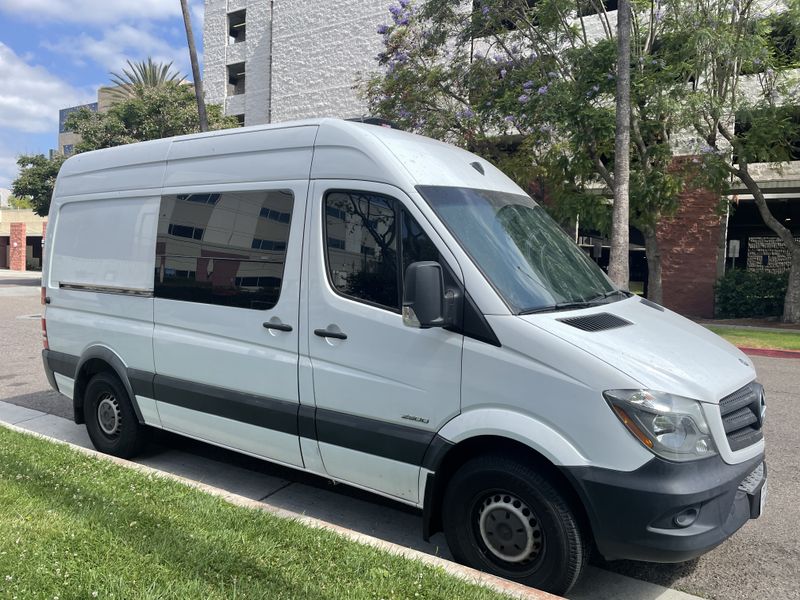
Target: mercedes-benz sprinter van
<point>394,313</point>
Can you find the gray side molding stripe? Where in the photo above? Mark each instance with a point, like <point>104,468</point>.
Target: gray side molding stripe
<point>402,443</point>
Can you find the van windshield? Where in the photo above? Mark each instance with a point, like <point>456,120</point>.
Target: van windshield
<point>520,249</point>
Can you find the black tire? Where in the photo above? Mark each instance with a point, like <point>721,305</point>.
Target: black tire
<point>525,516</point>
<point>119,433</point>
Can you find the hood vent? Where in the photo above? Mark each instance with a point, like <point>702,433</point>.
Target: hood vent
<point>652,304</point>
<point>596,322</point>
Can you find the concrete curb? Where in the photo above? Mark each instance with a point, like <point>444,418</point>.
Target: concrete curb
<point>771,353</point>
<point>468,574</point>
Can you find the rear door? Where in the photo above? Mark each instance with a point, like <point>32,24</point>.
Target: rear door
<point>382,389</point>
<point>226,289</point>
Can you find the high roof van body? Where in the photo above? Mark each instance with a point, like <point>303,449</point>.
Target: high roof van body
<point>394,313</point>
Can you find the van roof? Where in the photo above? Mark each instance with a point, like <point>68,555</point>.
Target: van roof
<point>312,148</point>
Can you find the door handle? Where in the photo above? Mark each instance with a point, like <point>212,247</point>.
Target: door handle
<point>277,326</point>
<point>327,333</point>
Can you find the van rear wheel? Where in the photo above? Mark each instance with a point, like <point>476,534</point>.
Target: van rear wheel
<point>110,419</point>
<point>503,517</point>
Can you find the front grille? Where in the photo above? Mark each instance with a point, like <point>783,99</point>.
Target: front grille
<point>741,416</point>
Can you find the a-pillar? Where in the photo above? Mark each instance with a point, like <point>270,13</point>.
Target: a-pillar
<point>17,247</point>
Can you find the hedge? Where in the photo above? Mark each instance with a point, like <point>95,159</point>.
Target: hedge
<point>741,294</point>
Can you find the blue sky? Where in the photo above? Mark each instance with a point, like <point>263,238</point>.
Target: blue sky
<point>56,53</point>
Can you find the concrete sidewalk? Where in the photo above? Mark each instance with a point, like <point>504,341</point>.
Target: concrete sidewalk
<point>339,505</point>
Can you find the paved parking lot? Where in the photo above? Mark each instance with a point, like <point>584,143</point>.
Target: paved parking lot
<point>763,559</point>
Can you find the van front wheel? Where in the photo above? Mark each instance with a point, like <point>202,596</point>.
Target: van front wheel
<point>503,517</point>
<point>110,420</point>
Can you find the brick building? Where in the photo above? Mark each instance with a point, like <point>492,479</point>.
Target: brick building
<point>21,237</point>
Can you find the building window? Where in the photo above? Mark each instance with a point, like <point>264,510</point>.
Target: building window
<point>240,120</point>
<point>68,149</point>
<point>236,79</point>
<point>229,255</point>
<point>593,7</point>
<point>493,18</point>
<point>186,231</point>
<point>237,31</point>
<point>275,215</point>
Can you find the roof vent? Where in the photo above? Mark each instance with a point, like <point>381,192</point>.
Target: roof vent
<point>596,322</point>
<point>652,304</point>
<point>478,167</point>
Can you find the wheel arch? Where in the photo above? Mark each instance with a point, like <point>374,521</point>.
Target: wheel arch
<point>455,445</point>
<point>94,360</point>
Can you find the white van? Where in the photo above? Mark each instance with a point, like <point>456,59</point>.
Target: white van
<point>394,313</point>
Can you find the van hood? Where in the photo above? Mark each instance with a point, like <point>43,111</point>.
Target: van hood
<point>659,348</point>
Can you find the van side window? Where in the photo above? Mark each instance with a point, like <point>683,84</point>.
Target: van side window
<point>225,248</point>
<point>365,233</point>
<point>361,240</point>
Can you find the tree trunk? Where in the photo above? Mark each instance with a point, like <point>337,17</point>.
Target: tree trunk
<point>198,81</point>
<point>791,304</point>
<point>618,269</point>
<point>654,289</point>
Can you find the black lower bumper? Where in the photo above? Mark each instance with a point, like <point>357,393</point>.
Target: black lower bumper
<point>48,369</point>
<point>668,512</point>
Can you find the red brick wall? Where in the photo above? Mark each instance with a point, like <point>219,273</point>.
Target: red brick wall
<point>689,245</point>
<point>17,247</point>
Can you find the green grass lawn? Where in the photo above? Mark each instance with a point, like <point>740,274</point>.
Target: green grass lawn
<point>77,527</point>
<point>754,338</point>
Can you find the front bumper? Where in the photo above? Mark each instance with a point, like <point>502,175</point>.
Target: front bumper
<point>633,514</point>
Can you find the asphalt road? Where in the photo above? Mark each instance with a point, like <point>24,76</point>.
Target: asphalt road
<point>761,560</point>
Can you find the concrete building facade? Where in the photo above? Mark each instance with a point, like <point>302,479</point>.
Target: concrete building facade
<point>275,60</point>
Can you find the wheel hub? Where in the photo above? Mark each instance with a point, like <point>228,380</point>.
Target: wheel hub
<point>509,528</point>
<point>108,415</point>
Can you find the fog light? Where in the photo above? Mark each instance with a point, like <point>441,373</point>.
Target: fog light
<point>686,517</point>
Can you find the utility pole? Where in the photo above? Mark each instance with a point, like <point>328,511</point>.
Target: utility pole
<point>618,267</point>
<point>198,81</point>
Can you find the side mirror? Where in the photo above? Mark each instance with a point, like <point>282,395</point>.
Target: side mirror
<point>423,296</point>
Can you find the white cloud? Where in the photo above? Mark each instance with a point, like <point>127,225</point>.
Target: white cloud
<point>91,11</point>
<point>31,96</point>
<point>118,44</point>
<point>8,168</point>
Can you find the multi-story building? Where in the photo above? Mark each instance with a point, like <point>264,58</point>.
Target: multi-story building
<point>268,60</point>
<point>67,140</point>
<point>272,60</point>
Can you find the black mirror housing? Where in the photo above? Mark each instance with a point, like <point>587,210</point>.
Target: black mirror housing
<point>424,302</point>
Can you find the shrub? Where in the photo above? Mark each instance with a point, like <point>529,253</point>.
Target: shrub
<point>741,293</point>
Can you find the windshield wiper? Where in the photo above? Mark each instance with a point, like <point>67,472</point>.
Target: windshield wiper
<point>595,301</point>
<point>611,293</point>
<point>558,306</point>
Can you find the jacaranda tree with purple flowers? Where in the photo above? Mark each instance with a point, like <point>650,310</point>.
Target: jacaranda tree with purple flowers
<point>531,86</point>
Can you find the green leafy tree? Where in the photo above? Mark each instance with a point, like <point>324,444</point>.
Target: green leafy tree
<point>526,85</point>
<point>17,202</point>
<point>743,103</point>
<point>531,86</point>
<point>153,113</point>
<point>141,75</point>
<point>36,180</point>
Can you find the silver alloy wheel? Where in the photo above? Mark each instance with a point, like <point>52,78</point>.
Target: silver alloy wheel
<point>509,528</point>
<point>109,416</point>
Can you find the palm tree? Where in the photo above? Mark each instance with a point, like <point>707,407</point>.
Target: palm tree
<point>198,81</point>
<point>143,74</point>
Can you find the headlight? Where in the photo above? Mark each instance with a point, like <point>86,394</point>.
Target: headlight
<point>673,427</point>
